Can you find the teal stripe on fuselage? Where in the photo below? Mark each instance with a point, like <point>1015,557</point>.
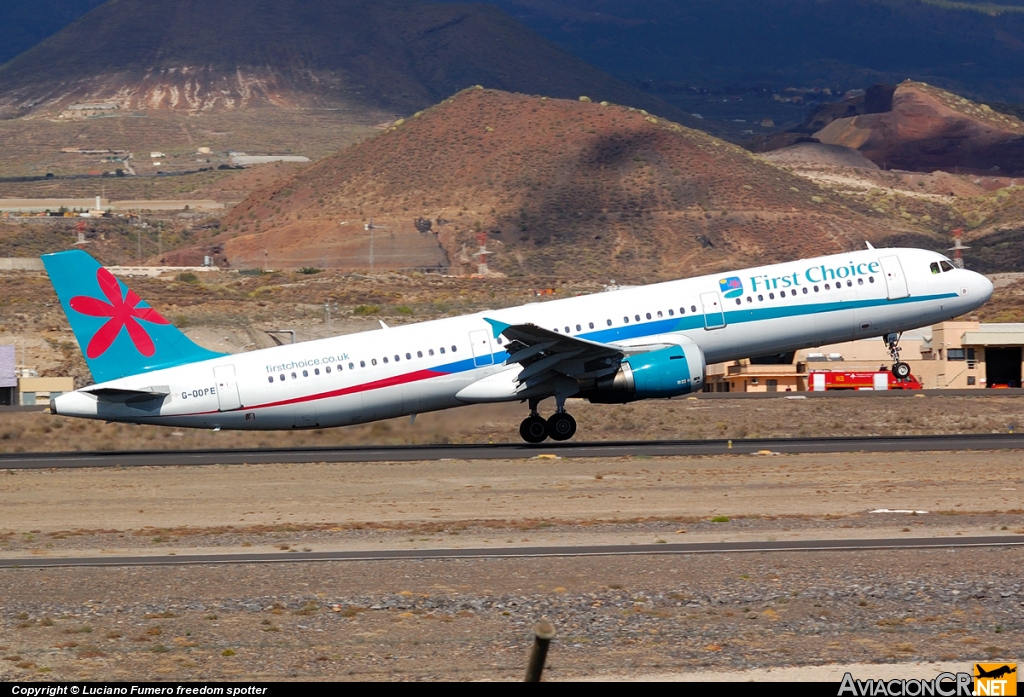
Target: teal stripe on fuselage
<point>696,321</point>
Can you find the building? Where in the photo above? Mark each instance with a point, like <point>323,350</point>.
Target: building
<point>37,391</point>
<point>8,380</point>
<point>949,355</point>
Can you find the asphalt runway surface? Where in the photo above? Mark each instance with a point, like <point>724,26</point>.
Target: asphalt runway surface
<point>507,451</point>
<point>521,552</point>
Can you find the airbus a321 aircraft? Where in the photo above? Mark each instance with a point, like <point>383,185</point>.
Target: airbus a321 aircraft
<point>614,347</point>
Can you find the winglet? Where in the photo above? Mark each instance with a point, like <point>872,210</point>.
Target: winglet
<point>870,246</point>
<point>498,327</point>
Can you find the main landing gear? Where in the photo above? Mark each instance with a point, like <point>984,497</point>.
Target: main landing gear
<point>899,369</point>
<point>536,429</point>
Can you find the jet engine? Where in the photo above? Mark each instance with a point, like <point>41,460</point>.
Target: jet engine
<point>665,372</point>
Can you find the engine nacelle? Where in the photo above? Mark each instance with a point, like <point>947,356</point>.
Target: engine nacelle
<point>667,372</point>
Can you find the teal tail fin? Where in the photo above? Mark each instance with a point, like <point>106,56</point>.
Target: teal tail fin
<point>118,333</point>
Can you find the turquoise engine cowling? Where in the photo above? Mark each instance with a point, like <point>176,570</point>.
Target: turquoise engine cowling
<point>668,372</point>
<point>663,373</point>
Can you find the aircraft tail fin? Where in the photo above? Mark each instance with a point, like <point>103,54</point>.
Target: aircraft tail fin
<point>118,333</point>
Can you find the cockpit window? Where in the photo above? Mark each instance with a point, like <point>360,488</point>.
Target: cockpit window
<point>946,266</point>
<point>934,267</point>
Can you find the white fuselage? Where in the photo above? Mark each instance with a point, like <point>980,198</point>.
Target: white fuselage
<point>421,367</point>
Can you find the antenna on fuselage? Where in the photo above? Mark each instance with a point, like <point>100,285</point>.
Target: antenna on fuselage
<point>870,246</point>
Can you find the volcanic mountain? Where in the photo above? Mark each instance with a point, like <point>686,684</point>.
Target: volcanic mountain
<point>573,188</point>
<point>201,55</point>
<point>927,128</point>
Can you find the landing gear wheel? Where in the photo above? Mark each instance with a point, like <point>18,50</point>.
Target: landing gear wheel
<point>534,429</point>
<point>561,426</point>
<point>901,370</point>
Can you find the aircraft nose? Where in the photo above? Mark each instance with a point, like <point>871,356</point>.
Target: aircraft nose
<point>982,286</point>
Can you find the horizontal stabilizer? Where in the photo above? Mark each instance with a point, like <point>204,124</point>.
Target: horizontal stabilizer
<point>114,394</point>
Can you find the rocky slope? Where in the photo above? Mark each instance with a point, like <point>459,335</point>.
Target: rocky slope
<point>928,129</point>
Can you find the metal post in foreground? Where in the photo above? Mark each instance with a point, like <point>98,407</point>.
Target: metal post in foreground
<point>545,632</point>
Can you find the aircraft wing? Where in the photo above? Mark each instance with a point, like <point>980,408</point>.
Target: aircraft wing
<point>545,354</point>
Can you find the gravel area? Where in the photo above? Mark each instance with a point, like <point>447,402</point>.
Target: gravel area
<point>471,619</point>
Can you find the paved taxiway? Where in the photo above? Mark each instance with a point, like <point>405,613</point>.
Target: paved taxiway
<point>412,453</point>
<point>527,552</point>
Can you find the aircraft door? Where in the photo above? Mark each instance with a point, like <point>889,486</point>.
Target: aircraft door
<point>895,281</point>
<point>227,387</point>
<point>714,314</point>
<point>483,354</point>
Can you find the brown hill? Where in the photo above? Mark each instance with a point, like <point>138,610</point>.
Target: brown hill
<point>196,56</point>
<point>929,129</point>
<point>566,187</point>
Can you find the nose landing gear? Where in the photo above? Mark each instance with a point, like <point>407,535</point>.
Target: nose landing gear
<point>535,429</point>
<point>899,369</point>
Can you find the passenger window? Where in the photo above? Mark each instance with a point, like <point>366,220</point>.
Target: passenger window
<point>693,308</point>
<point>294,376</point>
<point>316,371</point>
<point>281,377</point>
<point>419,354</point>
<point>431,352</point>
<point>408,356</point>
<point>385,359</point>
<point>591,325</point>
<point>659,313</point>
<point>671,313</point>
<point>362,364</point>
<point>682,311</point>
<point>871,279</point>
<point>442,349</point>
<point>555,330</point>
<point>771,296</point>
<point>609,323</point>
<point>805,291</point>
<point>637,317</point>
<point>305,373</point>
<point>454,349</point>
<point>579,328</point>
<point>934,266</point>
<point>648,315</point>
<point>270,378</point>
<point>328,369</point>
<point>397,358</point>
<point>566,331</point>
<point>750,299</point>
<point>625,320</point>
<point>946,266</point>
<point>815,289</point>
<point>739,301</point>
<point>351,366</point>
<point>860,281</point>
<point>827,287</point>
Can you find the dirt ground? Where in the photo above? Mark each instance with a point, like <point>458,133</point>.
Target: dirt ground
<point>721,616</point>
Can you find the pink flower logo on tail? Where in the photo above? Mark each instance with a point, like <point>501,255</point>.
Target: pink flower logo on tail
<point>123,312</point>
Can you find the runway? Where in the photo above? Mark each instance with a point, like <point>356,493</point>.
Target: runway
<point>526,552</point>
<point>506,451</point>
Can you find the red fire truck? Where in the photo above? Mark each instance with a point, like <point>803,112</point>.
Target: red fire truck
<point>821,380</point>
